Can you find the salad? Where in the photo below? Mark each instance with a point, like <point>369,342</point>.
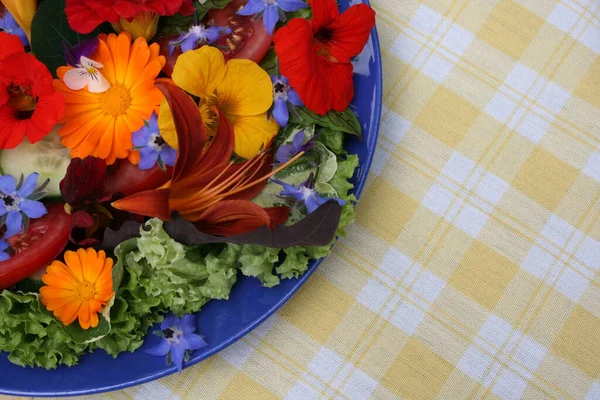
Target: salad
<point>151,151</point>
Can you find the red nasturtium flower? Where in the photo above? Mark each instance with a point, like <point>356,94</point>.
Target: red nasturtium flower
<point>29,106</point>
<point>85,15</point>
<point>315,55</point>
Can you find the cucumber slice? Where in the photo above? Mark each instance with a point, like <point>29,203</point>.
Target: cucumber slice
<point>47,157</point>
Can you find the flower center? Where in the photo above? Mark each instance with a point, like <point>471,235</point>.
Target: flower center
<point>11,202</point>
<point>173,335</point>
<point>85,291</point>
<point>157,143</point>
<point>21,100</point>
<point>280,91</point>
<point>115,101</point>
<point>271,2</point>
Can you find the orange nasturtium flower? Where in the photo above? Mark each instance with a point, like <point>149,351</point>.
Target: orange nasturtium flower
<point>78,288</point>
<point>100,124</point>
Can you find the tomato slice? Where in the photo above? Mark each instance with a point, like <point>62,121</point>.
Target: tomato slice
<point>128,179</point>
<point>248,40</point>
<point>38,247</point>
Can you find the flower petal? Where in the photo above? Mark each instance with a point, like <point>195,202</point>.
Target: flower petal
<point>188,323</point>
<point>200,71</point>
<point>281,112</point>
<point>194,342</point>
<point>33,209</point>
<point>177,355</point>
<point>14,221</point>
<point>161,349</point>
<point>29,185</point>
<point>270,18</point>
<point>325,12</point>
<point>76,78</point>
<point>292,5</point>
<point>8,184</point>
<point>349,33</point>
<point>252,134</point>
<point>252,8</point>
<point>246,89</point>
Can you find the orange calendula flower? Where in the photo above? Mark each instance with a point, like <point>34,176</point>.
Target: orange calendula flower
<point>100,124</point>
<point>78,288</point>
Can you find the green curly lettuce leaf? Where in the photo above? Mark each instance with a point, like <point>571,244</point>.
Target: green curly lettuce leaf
<point>31,335</point>
<point>259,262</point>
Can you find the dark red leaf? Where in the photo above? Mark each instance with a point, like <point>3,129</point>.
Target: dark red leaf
<point>84,182</point>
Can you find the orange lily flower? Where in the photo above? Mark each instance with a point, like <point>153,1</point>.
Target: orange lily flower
<point>206,187</point>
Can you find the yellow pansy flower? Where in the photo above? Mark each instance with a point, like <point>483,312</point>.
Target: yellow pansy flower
<point>23,12</point>
<point>240,89</point>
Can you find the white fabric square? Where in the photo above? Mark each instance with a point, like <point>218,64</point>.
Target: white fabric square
<point>395,263</point>
<point>408,318</point>
<point>533,127</point>
<point>394,127</point>
<point>509,386</point>
<point>592,168</point>
<point>572,284</point>
<point>374,295</point>
<point>491,188</point>
<point>263,329</point>
<point>594,393</point>
<point>471,220</point>
<point>380,159</point>
<point>474,363</point>
<point>558,230</point>
<point>458,168</point>
<point>458,39</point>
<point>425,20</point>
<point>437,68</point>
<point>495,330</point>
<point>563,17</point>
<point>237,354</point>
<point>359,386</point>
<point>501,107</point>
<point>589,253</point>
<point>302,391</point>
<point>530,353</point>
<point>405,48</point>
<point>538,261</point>
<point>591,38</point>
<point>154,390</point>
<point>521,78</point>
<point>438,199</point>
<point>325,364</point>
<point>553,98</point>
<point>428,286</point>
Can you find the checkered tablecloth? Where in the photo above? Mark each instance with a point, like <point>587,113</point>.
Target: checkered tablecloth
<point>473,269</point>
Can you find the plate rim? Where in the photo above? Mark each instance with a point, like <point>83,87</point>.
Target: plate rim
<point>300,282</point>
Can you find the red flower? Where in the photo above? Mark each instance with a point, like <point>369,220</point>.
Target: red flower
<point>85,15</point>
<point>315,55</point>
<point>29,106</point>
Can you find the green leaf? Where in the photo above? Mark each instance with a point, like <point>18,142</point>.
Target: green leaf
<point>327,163</point>
<point>346,121</point>
<point>211,5</point>
<point>50,28</point>
<point>86,336</point>
<point>270,63</point>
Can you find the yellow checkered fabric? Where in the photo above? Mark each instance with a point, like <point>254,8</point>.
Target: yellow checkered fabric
<point>473,269</point>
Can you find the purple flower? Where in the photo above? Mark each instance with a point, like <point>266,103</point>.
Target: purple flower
<point>18,202</point>
<point>197,35</point>
<point>177,338</point>
<point>271,10</point>
<point>84,48</point>
<point>282,93</point>
<point>152,146</point>
<point>3,254</point>
<point>286,152</point>
<point>9,25</point>
<point>306,194</point>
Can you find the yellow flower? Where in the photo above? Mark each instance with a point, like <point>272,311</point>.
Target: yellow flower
<point>142,25</point>
<point>240,89</point>
<point>23,12</point>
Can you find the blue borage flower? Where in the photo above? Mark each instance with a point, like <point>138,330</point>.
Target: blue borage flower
<point>197,35</point>
<point>177,339</point>
<point>152,146</point>
<point>3,254</point>
<point>306,193</point>
<point>286,152</point>
<point>282,94</point>
<point>18,202</point>
<point>9,25</point>
<point>272,10</point>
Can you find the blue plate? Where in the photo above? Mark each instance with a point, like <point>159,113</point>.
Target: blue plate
<point>220,322</point>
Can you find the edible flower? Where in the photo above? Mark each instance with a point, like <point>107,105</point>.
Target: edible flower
<point>23,12</point>
<point>29,106</point>
<point>271,10</point>
<point>78,288</point>
<point>306,194</point>
<point>206,187</point>
<point>9,25</point>
<point>282,93</point>
<point>286,152</point>
<point>86,74</point>
<point>85,48</point>
<point>86,15</point>
<point>19,202</point>
<point>197,35</point>
<point>152,146</point>
<point>240,90</point>
<point>142,25</point>
<point>315,55</point>
<point>100,124</point>
<point>177,339</point>
<point>3,254</point>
